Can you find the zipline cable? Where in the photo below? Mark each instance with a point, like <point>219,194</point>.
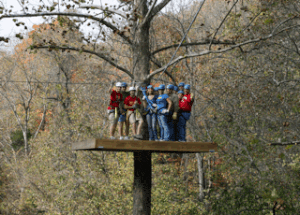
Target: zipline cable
<point>49,82</point>
<point>183,38</point>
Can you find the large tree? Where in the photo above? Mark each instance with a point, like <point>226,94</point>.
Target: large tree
<point>129,24</point>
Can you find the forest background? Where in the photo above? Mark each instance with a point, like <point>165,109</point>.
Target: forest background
<point>246,97</point>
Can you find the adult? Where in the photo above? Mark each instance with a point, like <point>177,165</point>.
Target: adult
<point>122,118</point>
<point>151,116</point>
<point>113,109</point>
<point>163,108</point>
<point>185,106</point>
<point>173,111</point>
<point>131,103</point>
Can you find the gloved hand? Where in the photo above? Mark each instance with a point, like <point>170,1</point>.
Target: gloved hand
<point>134,106</point>
<point>192,95</point>
<point>137,88</point>
<point>174,116</point>
<point>154,105</point>
<point>144,98</point>
<point>165,111</point>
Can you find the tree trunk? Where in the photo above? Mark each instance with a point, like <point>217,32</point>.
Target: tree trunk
<point>141,68</point>
<point>201,176</point>
<point>142,183</point>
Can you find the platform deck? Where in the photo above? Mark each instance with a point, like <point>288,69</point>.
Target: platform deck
<point>144,145</point>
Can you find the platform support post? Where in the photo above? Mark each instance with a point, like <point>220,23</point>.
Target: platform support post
<point>142,183</point>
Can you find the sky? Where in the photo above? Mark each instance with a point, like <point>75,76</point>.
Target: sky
<point>9,29</point>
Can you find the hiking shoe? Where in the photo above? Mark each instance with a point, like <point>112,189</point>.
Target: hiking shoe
<point>126,138</point>
<point>112,138</point>
<point>140,137</point>
<point>121,138</point>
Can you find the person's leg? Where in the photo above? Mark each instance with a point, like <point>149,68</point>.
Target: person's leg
<point>171,127</point>
<point>113,124</point>
<point>186,117</point>
<point>153,122</point>
<point>132,121</point>
<point>150,129</point>
<point>126,128</point>
<point>175,122</point>
<point>160,127</point>
<point>121,129</point>
<point>140,125</point>
<point>134,128</point>
<point>165,127</point>
<point>181,128</point>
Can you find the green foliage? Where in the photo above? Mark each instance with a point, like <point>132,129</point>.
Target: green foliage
<point>17,138</point>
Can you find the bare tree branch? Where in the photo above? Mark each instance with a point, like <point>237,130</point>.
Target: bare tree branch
<point>146,19</point>
<point>284,143</point>
<point>107,24</point>
<point>217,42</point>
<point>99,7</point>
<point>102,56</point>
<point>167,73</point>
<point>221,24</point>
<point>158,8</point>
<point>207,52</point>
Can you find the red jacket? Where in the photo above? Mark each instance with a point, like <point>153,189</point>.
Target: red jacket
<point>130,101</point>
<point>185,104</point>
<point>115,99</point>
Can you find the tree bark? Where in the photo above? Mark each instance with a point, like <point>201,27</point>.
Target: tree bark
<point>201,176</point>
<point>140,71</point>
<point>142,183</point>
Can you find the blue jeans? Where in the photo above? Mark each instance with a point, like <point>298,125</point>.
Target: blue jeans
<point>181,125</point>
<point>171,126</point>
<point>164,128</point>
<point>151,120</point>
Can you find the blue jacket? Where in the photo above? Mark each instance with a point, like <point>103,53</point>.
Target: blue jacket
<point>161,102</point>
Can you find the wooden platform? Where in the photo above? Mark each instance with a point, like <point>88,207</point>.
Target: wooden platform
<point>144,145</point>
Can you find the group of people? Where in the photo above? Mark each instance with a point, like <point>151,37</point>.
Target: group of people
<point>168,106</point>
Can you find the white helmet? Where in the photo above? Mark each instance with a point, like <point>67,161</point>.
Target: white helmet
<point>118,84</point>
<point>131,88</point>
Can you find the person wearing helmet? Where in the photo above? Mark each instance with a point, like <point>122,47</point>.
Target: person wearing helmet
<point>131,103</point>
<point>151,116</point>
<point>185,106</point>
<point>173,111</point>
<point>181,86</point>
<point>113,108</point>
<point>175,90</point>
<point>122,118</point>
<point>163,108</point>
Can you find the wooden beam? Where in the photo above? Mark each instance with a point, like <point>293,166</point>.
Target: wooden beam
<point>144,145</point>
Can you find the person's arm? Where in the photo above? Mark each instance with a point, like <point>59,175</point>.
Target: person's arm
<point>169,103</point>
<point>126,106</point>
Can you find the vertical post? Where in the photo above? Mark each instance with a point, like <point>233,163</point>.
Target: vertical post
<point>142,183</point>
